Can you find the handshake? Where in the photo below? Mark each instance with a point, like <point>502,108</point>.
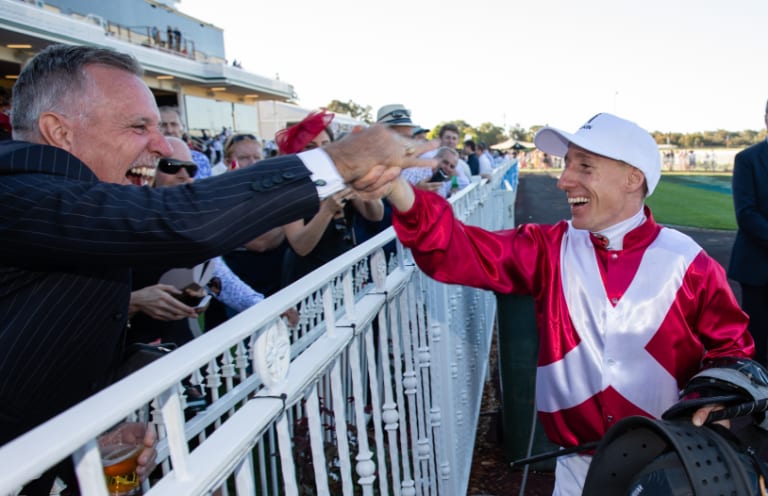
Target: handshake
<point>370,160</point>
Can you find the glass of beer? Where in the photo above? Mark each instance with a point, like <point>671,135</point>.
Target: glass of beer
<point>120,449</point>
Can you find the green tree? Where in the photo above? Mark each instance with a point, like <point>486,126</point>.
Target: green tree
<point>355,110</point>
<point>532,131</point>
<point>490,133</point>
<point>516,132</point>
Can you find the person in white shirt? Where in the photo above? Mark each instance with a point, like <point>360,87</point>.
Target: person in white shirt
<point>449,137</point>
<point>444,179</point>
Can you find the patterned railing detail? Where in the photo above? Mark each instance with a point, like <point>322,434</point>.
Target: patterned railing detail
<point>376,390</point>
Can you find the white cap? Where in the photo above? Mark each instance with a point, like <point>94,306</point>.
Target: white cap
<point>609,136</point>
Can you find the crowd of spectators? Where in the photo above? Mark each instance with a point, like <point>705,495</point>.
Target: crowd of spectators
<point>164,310</point>
<point>286,253</point>
<point>81,219</point>
<point>127,203</point>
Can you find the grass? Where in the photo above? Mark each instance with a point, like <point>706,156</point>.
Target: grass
<point>694,201</point>
<point>689,199</point>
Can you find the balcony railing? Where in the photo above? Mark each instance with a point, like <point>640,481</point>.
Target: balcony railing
<point>377,390</point>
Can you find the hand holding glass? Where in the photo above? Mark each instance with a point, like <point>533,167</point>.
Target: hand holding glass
<point>120,450</point>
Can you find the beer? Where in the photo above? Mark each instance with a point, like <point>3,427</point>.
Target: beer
<point>120,462</point>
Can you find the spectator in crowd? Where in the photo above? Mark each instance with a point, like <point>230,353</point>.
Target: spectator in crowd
<point>319,239</point>
<point>177,38</point>
<point>627,310</point>
<point>217,148</point>
<point>749,257</point>
<point>484,161</point>
<point>419,133</point>
<point>470,152</point>
<point>445,182</point>
<point>156,36</point>
<point>260,261</point>
<point>179,169</point>
<point>449,136</point>
<point>169,37</point>
<point>73,221</point>
<point>398,119</point>
<point>242,150</point>
<point>171,124</point>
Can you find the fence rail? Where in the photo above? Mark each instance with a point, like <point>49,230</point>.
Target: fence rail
<point>377,390</point>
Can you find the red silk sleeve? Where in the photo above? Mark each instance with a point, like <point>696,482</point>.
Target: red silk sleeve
<point>508,261</point>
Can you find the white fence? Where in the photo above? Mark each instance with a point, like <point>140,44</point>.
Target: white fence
<point>377,390</point>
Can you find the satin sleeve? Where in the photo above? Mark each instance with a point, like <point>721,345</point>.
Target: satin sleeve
<point>507,261</point>
<point>720,324</point>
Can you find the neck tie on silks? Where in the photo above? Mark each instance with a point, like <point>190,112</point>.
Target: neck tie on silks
<point>602,240</point>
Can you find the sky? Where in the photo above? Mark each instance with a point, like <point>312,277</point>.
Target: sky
<point>669,65</point>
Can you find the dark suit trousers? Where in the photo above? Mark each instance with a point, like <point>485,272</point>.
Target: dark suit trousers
<point>754,302</point>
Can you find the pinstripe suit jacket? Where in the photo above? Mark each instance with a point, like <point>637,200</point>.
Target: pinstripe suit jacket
<point>749,256</point>
<point>67,242</point>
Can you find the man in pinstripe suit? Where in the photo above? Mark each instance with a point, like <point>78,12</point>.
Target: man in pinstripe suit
<point>85,129</point>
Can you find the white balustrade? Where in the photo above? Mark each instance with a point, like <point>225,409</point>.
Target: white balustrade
<point>377,390</point>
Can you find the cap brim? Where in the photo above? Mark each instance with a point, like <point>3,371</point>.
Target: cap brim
<point>553,141</point>
<point>399,122</point>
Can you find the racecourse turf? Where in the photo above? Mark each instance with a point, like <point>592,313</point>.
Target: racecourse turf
<point>703,201</point>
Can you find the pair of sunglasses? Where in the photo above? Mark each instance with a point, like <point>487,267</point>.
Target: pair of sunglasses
<point>398,114</point>
<point>237,138</point>
<point>172,166</point>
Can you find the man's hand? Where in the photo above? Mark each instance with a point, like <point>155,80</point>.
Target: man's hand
<point>429,186</point>
<point>135,433</point>
<point>700,416</point>
<point>369,160</point>
<point>335,203</point>
<point>159,303</point>
<point>147,458</point>
<point>292,316</point>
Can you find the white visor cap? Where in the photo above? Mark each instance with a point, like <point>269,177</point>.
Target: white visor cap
<point>609,136</point>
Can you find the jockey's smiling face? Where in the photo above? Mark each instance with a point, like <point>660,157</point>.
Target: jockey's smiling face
<point>601,191</point>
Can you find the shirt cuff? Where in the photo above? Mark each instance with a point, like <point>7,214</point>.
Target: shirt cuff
<point>324,174</point>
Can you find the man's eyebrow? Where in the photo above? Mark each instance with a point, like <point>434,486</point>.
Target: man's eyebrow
<point>138,120</point>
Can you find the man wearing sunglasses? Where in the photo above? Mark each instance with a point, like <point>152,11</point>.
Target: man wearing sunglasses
<point>172,125</point>
<point>155,309</point>
<point>172,166</point>
<point>86,133</point>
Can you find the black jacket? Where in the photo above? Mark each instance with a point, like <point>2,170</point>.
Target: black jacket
<point>67,242</point>
<point>749,257</point>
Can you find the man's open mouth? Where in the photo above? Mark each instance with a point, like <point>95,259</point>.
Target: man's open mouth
<point>141,175</point>
<point>578,201</point>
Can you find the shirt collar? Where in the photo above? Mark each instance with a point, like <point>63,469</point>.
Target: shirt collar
<point>612,237</point>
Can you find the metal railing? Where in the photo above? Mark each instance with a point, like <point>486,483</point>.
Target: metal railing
<point>377,390</point>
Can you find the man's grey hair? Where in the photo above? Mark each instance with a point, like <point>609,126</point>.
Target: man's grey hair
<point>171,108</point>
<point>443,150</point>
<point>55,78</point>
